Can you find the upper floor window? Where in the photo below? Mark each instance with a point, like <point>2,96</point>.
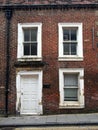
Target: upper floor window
<point>70,41</point>
<point>29,41</point>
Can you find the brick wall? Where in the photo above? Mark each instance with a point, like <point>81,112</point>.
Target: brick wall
<point>50,19</point>
<point>2,61</point>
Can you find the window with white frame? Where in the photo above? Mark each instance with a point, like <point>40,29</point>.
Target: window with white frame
<point>71,86</point>
<point>29,41</point>
<point>70,41</point>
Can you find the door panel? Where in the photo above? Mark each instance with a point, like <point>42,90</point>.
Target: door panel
<point>29,94</point>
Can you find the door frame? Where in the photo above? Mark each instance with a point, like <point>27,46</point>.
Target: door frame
<point>39,73</point>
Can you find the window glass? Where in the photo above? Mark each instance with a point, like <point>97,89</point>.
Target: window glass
<point>69,38</point>
<point>73,34</point>
<point>26,49</point>
<point>34,34</point>
<point>70,94</point>
<point>69,34</point>
<point>26,35</point>
<point>30,41</point>
<point>71,79</point>
<point>73,48</point>
<point>66,36</point>
<point>70,87</point>
<point>69,48</point>
<point>34,49</point>
<point>66,48</point>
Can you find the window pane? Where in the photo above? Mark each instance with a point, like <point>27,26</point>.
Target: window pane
<point>70,80</point>
<point>70,94</point>
<point>66,48</point>
<point>34,34</point>
<point>34,49</point>
<point>26,49</point>
<point>66,34</point>
<point>26,35</point>
<point>73,34</point>
<point>73,48</point>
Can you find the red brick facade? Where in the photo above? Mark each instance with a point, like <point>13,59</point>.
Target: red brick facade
<point>50,18</point>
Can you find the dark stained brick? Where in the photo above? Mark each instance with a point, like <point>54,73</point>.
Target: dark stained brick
<point>37,2</point>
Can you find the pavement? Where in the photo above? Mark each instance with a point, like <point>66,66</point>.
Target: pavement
<point>50,120</point>
<point>56,128</point>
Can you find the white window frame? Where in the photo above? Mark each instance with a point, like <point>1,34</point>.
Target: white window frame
<point>79,56</point>
<point>72,104</point>
<point>20,55</point>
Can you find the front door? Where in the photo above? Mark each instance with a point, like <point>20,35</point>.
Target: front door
<point>29,94</point>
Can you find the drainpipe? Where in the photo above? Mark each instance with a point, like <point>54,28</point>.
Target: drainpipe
<point>8,15</point>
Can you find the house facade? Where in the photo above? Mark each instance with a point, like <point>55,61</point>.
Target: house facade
<point>49,57</point>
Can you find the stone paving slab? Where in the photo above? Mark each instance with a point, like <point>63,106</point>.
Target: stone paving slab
<point>51,120</point>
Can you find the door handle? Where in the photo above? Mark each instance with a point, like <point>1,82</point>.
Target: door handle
<point>21,93</point>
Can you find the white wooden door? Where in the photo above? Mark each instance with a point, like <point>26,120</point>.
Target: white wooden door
<point>29,94</point>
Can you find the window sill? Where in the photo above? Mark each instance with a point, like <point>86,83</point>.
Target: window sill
<point>27,58</point>
<point>70,58</point>
<point>71,106</point>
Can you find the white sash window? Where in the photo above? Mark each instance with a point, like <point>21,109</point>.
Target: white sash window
<point>29,41</point>
<point>71,87</point>
<point>70,42</point>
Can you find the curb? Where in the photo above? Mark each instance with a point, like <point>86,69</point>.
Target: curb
<point>50,124</point>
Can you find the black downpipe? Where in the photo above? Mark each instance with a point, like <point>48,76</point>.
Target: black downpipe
<point>8,15</point>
